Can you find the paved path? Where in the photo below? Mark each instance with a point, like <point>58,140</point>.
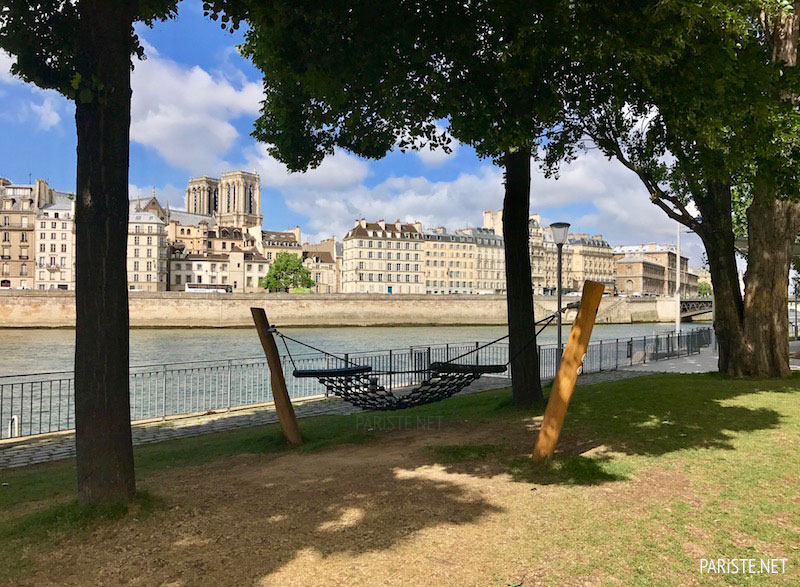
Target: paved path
<point>55,447</point>
<point>704,361</point>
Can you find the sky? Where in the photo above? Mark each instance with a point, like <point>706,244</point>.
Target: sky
<point>195,100</point>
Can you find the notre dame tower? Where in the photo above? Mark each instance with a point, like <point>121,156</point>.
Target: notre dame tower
<point>233,200</point>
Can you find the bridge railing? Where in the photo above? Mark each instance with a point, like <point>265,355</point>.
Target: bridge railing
<point>42,403</point>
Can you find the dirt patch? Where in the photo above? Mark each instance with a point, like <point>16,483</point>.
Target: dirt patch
<point>381,513</point>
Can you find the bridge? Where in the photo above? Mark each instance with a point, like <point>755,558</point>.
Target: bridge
<point>691,307</point>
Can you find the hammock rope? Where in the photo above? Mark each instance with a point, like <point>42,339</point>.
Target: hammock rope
<point>358,384</point>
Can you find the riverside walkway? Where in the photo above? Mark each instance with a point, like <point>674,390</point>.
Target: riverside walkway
<point>57,446</point>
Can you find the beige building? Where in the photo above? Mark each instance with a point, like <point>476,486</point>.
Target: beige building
<point>592,259</point>
<point>583,256</point>
<point>665,256</point>
<point>450,262</point>
<point>237,271</point>
<point>273,242</point>
<point>324,264</point>
<point>55,244</point>
<point>233,200</point>
<point>638,275</point>
<point>490,260</point>
<point>147,252</point>
<point>19,204</point>
<point>703,276</point>
<point>191,231</point>
<point>382,257</point>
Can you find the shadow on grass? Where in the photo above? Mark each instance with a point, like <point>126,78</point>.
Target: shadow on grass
<point>647,416</point>
<point>62,519</point>
<point>367,499</point>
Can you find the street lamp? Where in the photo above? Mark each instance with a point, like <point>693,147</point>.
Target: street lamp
<point>560,231</point>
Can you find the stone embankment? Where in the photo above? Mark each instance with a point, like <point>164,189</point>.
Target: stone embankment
<point>56,309</point>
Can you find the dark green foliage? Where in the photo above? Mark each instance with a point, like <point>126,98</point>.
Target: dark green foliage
<point>41,35</point>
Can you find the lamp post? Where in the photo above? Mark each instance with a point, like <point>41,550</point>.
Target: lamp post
<point>560,231</point>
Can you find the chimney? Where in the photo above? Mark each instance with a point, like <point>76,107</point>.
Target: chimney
<point>382,224</point>
<point>398,226</point>
<point>418,226</point>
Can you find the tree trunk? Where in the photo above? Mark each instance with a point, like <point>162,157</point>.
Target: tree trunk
<point>718,238</point>
<point>102,115</point>
<point>772,229</point>
<point>526,384</point>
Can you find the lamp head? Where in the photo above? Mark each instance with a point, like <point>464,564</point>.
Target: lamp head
<point>560,232</point>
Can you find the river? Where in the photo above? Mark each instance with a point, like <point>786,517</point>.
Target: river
<point>34,351</point>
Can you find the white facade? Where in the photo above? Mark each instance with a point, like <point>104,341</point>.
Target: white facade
<point>147,252</point>
<point>55,244</point>
<point>383,257</point>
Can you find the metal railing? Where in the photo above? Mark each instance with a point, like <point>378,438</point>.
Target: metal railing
<point>42,403</point>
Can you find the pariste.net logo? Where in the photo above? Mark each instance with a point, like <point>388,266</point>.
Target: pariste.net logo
<point>743,566</point>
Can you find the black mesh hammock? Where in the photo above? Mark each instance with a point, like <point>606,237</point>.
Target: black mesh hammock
<point>358,384</point>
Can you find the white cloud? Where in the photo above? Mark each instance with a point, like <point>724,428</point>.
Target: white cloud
<point>454,204</point>
<point>435,157</point>
<point>47,113</point>
<point>6,61</point>
<point>185,114</point>
<point>340,171</point>
<point>596,195</point>
<point>623,212</point>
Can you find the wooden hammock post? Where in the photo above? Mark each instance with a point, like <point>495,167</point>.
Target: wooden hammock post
<point>280,394</point>
<point>567,375</point>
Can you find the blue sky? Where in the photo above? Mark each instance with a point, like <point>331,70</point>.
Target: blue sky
<point>194,103</point>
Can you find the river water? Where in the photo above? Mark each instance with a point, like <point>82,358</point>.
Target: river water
<point>34,350</point>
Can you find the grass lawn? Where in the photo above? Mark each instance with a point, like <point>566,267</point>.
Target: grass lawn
<point>652,475</point>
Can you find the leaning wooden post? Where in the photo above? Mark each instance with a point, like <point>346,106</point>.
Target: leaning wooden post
<point>283,405</point>
<point>567,375</point>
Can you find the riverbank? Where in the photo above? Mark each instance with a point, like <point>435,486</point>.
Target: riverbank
<point>56,309</point>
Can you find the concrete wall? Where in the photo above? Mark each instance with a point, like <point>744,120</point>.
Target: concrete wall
<point>56,309</point>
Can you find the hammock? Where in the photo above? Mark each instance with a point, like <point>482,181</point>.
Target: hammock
<point>358,384</point>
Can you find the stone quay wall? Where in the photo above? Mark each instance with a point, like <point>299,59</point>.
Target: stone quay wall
<point>56,309</point>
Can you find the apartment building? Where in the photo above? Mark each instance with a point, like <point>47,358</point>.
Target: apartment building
<point>273,242</point>
<point>55,244</point>
<point>450,260</point>
<point>664,255</point>
<point>148,268</point>
<point>489,275</point>
<point>324,264</point>
<point>239,270</point>
<point>583,256</point>
<point>19,204</point>
<point>382,257</point>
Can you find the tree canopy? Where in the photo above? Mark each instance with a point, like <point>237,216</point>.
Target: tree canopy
<point>287,272</point>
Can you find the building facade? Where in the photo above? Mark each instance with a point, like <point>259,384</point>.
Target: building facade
<point>450,260</point>
<point>148,268</point>
<point>664,255</point>
<point>638,275</point>
<point>324,264</point>
<point>19,206</point>
<point>233,200</point>
<point>490,260</point>
<point>583,256</point>
<point>381,257</point>
<point>55,244</point>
